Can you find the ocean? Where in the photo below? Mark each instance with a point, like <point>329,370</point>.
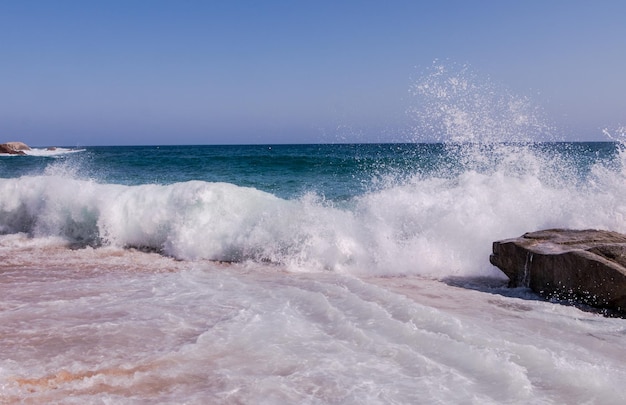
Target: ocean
<point>299,274</point>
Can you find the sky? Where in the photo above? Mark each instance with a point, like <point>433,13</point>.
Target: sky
<point>80,73</point>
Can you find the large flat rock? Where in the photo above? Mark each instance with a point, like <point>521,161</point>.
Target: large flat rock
<point>587,266</point>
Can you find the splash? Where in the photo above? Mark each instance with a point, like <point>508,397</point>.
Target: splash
<point>456,105</point>
<point>484,127</point>
<point>617,135</point>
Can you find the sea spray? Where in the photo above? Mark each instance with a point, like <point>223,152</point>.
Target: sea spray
<point>455,105</point>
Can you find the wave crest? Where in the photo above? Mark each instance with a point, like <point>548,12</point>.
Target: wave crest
<point>430,224</point>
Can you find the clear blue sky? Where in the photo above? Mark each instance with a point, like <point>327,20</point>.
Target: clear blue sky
<point>211,72</point>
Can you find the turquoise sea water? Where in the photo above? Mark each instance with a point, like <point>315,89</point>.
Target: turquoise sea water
<point>334,171</point>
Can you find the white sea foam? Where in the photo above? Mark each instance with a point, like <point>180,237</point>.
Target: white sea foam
<point>49,152</point>
<point>121,326</point>
<point>429,225</point>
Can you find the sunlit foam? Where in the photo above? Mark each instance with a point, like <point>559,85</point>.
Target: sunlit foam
<point>52,152</point>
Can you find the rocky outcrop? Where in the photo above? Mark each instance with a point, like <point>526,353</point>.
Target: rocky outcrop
<point>586,266</point>
<point>14,148</point>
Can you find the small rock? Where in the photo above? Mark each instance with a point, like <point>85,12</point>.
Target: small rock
<point>14,148</point>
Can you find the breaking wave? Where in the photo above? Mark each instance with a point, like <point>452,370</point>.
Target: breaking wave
<point>436,225</point>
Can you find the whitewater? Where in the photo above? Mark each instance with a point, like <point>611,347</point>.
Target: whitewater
<point>309,274</point>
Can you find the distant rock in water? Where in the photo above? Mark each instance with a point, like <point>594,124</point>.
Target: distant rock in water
<point>14,148</point>
<point>587,266</point>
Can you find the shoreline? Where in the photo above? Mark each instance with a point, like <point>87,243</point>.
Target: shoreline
<point>134,326</point>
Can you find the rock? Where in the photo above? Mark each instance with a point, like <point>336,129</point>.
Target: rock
<point>10,151</point>
<point>586,266</point>
<point>14,148</point>
<point>17,146</point>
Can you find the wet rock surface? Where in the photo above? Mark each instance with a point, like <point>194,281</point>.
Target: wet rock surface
<point>584,266</point>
